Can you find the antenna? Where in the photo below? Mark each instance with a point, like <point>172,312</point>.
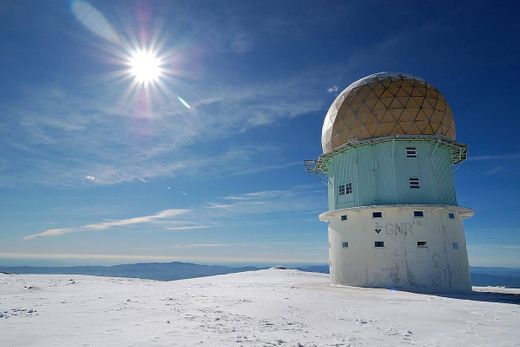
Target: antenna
<point>310,166</point>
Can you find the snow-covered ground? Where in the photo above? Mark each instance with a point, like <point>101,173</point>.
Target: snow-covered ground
<point>260,308</point>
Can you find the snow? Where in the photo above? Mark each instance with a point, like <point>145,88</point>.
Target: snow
<point>272,307</point>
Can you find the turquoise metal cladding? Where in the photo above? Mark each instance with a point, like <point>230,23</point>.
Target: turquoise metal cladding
<point>380,174</point>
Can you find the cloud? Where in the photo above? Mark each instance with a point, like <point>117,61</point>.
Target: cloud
<point>110,224</point>
<point>225,212</point>
<point>261,168</point>
<point>187,227</point>
<point>332,89</point>
<point>261,194</point>
<point>201,245</point>
<point>214,205</point>
<point>56,136</point>
<point>509,156</point>
<point>493,171</point>
<point>296,199</point>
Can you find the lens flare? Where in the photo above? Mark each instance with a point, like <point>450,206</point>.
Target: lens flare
<point>183,102</point>
<point>94,20</point>
<point>145,66</point>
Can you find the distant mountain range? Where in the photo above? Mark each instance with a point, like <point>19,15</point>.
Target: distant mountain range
<point>480,276</point>
<point>495,276</point>
<point>154,271</point>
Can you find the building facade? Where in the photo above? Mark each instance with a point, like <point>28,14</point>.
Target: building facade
<point>393,220</point>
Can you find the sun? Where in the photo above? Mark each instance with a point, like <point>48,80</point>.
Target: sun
<point>145,67</point>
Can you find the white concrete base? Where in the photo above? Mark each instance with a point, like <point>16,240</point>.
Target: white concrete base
<point>442,265</point>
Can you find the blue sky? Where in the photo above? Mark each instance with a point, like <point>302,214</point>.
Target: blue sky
<point>207,165</point>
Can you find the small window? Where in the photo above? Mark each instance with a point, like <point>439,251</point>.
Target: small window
<point>344,217</point>
<point>451,215</point>
<point>422,244</point>
<point>414,182</point>
<point>455,245</point>
<point>344,244</point>
<point>377,214</point>
<point>341,189</point>
<point>418,213</point>
<point>379,244</point>
<point>411,152</point>
<point>348,188</point>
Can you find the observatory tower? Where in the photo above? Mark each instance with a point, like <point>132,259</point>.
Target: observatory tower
<point>393,221</point>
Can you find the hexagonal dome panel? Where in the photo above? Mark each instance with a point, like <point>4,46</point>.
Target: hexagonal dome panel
<point>386,104</point>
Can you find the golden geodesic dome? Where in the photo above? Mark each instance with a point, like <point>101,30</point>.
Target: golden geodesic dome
<point>386,104</point>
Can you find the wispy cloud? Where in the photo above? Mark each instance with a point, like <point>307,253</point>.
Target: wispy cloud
<point>332,89</point>
<point>110,224</point>
<point>493,171</point>
<point>265,194</point>
<point>215,205</point>
<point>64,139</point>
<point>187,227</point>
<point>509,156</point>
<point>294,200</point>
<point>246,170</point>
<point>201,245</point>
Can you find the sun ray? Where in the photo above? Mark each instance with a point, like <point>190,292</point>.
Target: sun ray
<point>145,67</point>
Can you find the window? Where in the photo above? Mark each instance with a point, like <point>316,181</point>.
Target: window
<point>414,182</point>
<point>422,244</point>
<point>344,217</point>
<point>379,244</point>
<point>451,215</point>
<point>344,244</point>
<point>348,188</point>
<point>345,189</point>
<point>455,245</point>
<point>377,214</point>
<point>418,213</point>
<point>411,152</point>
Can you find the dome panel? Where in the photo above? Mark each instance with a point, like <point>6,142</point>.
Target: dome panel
<point>408,114</point>
<point>386,104</point>
<point>419,91</point>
